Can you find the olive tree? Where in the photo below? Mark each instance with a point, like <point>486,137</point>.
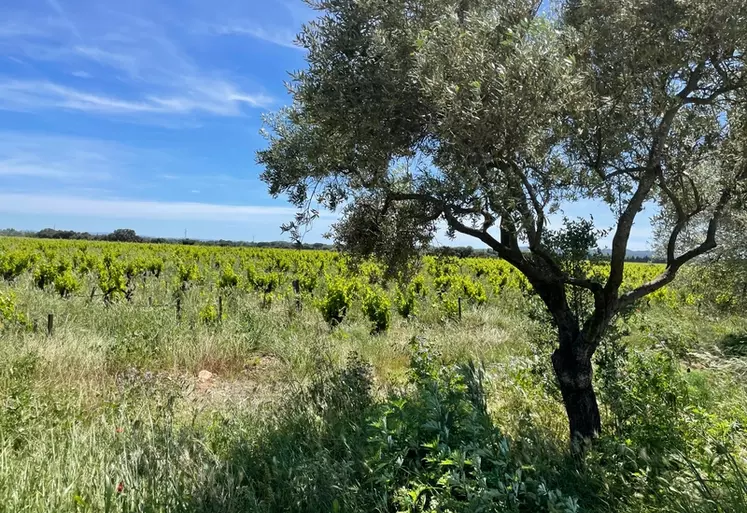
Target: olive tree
<point>490,116</point>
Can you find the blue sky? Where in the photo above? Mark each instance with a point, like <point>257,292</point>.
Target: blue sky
<point>146,114</point>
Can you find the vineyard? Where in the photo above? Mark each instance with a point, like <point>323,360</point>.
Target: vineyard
<point>198,280</point>
<point>156,377</point>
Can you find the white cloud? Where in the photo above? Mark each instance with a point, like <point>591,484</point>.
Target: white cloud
<point>128,63</point>
<point>274,35</point>
<point>140,62</point>
<point>30,166</point>
<point>60,158</point>
<point>75,162</point>
<point>222,100</point>
<point>54,205</point>
<point>12,29</point>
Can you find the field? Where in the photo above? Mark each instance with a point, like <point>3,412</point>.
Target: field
<point>145,377</point>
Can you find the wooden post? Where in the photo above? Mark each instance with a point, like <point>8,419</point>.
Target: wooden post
<point>220,308</point>
<point>459,300</point>
<point>150,301</point>
<point>297,290</point>
<point>50,325</point>
<point>178,309</point>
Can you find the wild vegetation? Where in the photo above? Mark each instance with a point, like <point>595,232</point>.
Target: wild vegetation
<point>200,379</point>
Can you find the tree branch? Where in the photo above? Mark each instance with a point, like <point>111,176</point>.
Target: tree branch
<point>710,99</point>
<point>504,251</point>
<point>536,204</point>
<point>584,283</point>
<point>622,233</point>
<point>682,217</point>
<point>647,180</point>
<point>674,264</point>
<point>450,212</point>
<point>692,81</point>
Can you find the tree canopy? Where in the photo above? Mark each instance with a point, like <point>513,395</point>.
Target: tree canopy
<point>490,116</point>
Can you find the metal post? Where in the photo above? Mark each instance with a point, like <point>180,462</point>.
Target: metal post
<point>459,300</point>
<point>50,325</point>
<point>220,308</point>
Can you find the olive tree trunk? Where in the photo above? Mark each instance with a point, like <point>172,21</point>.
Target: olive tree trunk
<point>571,362</point>
<point>573,370</point>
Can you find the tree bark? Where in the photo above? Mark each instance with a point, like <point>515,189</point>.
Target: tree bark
<point>573,369</point>
<point>571,362</point>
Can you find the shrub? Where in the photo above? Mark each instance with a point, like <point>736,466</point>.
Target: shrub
<point>9,315</point>
<point>13,264</point>
<point>280,264</point>
<point>228,277</point>
<point>449,305</point>
<point>406,301</point>
<point>436,449</point>
<point>267,282</point>
<point>430,448</point>
<point>307,280</point>
<point>112,280</point>
<point>134,267</point>
<point>187,273</point>
<point>474,291</point>
<point>371,273</point>
<point>44,274</point>
<point>208,314</point>
<point>646,396</point>
<point>376,306</point>
<point>87,263</point>
<point>444,283</point>
<point>336,302</point>
<point>418,286</point>
<point>66,284</point>
<point>154,266</point>
<point>251,274</point>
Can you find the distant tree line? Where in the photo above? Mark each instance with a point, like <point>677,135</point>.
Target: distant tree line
<point>129,235</point>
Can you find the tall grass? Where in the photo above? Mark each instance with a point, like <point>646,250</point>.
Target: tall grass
<point>108,413</point>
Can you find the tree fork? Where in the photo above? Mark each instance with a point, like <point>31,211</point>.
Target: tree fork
<point>571,362</point>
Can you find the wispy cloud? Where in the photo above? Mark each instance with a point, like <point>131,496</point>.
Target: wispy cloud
<point>12,29</point>
<point>218,181</point>
<point>220,100</point>
<point>58,158</point>
<point>141,64</point>
<point>43,162</point>
<point>57,7</point>
<point>30,166</point>
<point>274,35</point>
<point>134,209</point>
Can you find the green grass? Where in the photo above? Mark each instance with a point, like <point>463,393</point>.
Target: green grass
<point>288,423</point>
